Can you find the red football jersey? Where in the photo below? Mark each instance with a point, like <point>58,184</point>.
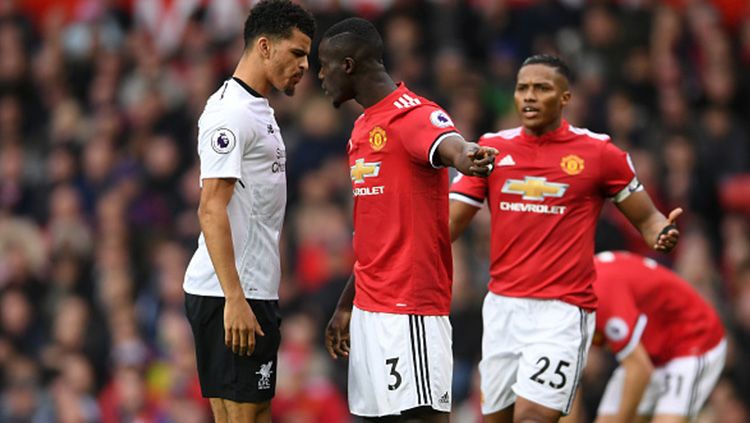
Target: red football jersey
<point>642,301</point>
<point>401,238</point>
<point>545,196</point>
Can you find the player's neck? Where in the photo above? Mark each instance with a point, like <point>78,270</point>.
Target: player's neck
<point>544,130</point>
<point>250,70</point>
<point>374,87</point>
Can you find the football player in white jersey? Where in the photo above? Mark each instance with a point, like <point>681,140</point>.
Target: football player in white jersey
<point>232,281</point>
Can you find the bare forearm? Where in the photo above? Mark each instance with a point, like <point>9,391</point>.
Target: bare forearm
<point>456,154</point>
<point>636,381</point>
<point>652,226</point>
<point>638,368</point>
<point>461,160</point>
<point>218,235</point>
<point>657,230</point>
<point>460,217</point>
<point>456,229</point>
<point>467,157</point>
<point>346,299</point>
<point>642,213</point>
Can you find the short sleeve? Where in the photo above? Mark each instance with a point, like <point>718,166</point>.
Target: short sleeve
<point>222,141</point>
<point>423,129</point>
<point>618,176</point>
<point>618,319</point>
<point>471,190</point>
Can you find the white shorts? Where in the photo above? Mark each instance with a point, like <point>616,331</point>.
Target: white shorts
<point>398,362</point>
<point>532,348</point>
<point>680,387</point>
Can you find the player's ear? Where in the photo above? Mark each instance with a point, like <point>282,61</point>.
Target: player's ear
<point>348,65</point>
<point>565,98</point>
<point>263,44</point>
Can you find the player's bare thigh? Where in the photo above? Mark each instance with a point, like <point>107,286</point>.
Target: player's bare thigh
<point>226,411</point>
<point>524,411</point>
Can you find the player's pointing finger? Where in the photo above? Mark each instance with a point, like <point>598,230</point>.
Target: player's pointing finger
<point>673,215</point>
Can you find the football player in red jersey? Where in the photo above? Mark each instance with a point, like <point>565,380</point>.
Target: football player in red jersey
<point>392,318</point>
<point>669,341</point>
<point>549,184</point>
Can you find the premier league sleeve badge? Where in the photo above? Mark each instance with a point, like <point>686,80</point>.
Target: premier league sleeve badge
<point>223,141</point>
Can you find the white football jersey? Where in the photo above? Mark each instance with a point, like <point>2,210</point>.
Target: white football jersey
<point>238,137</point>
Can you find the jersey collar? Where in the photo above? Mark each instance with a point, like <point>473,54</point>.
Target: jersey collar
<point>247,88</point>
<point>562,133</point>
<point>388,100</point>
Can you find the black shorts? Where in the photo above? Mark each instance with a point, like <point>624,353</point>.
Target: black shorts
<point>222,373</point>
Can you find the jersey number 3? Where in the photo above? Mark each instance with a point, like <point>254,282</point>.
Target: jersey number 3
<point>558,371</point>
<point>396,375</point>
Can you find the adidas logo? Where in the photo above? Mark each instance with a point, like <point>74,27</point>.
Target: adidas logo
<point>445,398</point>
<point>406,101</point>
<point>506,161</point>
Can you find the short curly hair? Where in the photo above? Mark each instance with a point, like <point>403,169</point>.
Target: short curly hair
<point>552,61</point>
<point>277,18</point>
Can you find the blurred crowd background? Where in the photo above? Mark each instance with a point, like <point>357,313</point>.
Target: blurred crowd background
<point>99,101</point>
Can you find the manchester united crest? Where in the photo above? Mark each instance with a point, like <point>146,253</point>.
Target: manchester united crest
<point>378,138</point>
<point>572,164</point>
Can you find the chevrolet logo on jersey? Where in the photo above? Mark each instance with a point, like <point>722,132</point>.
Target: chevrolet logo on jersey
<point>362,170</point>
<point>534,188</point>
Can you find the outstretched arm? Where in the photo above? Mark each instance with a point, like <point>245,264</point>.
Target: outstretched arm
<point>658,231</point>
<point>468,157</point>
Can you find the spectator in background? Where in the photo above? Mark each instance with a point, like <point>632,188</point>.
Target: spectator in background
<point>23,395</point>
<point>305,394</point>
